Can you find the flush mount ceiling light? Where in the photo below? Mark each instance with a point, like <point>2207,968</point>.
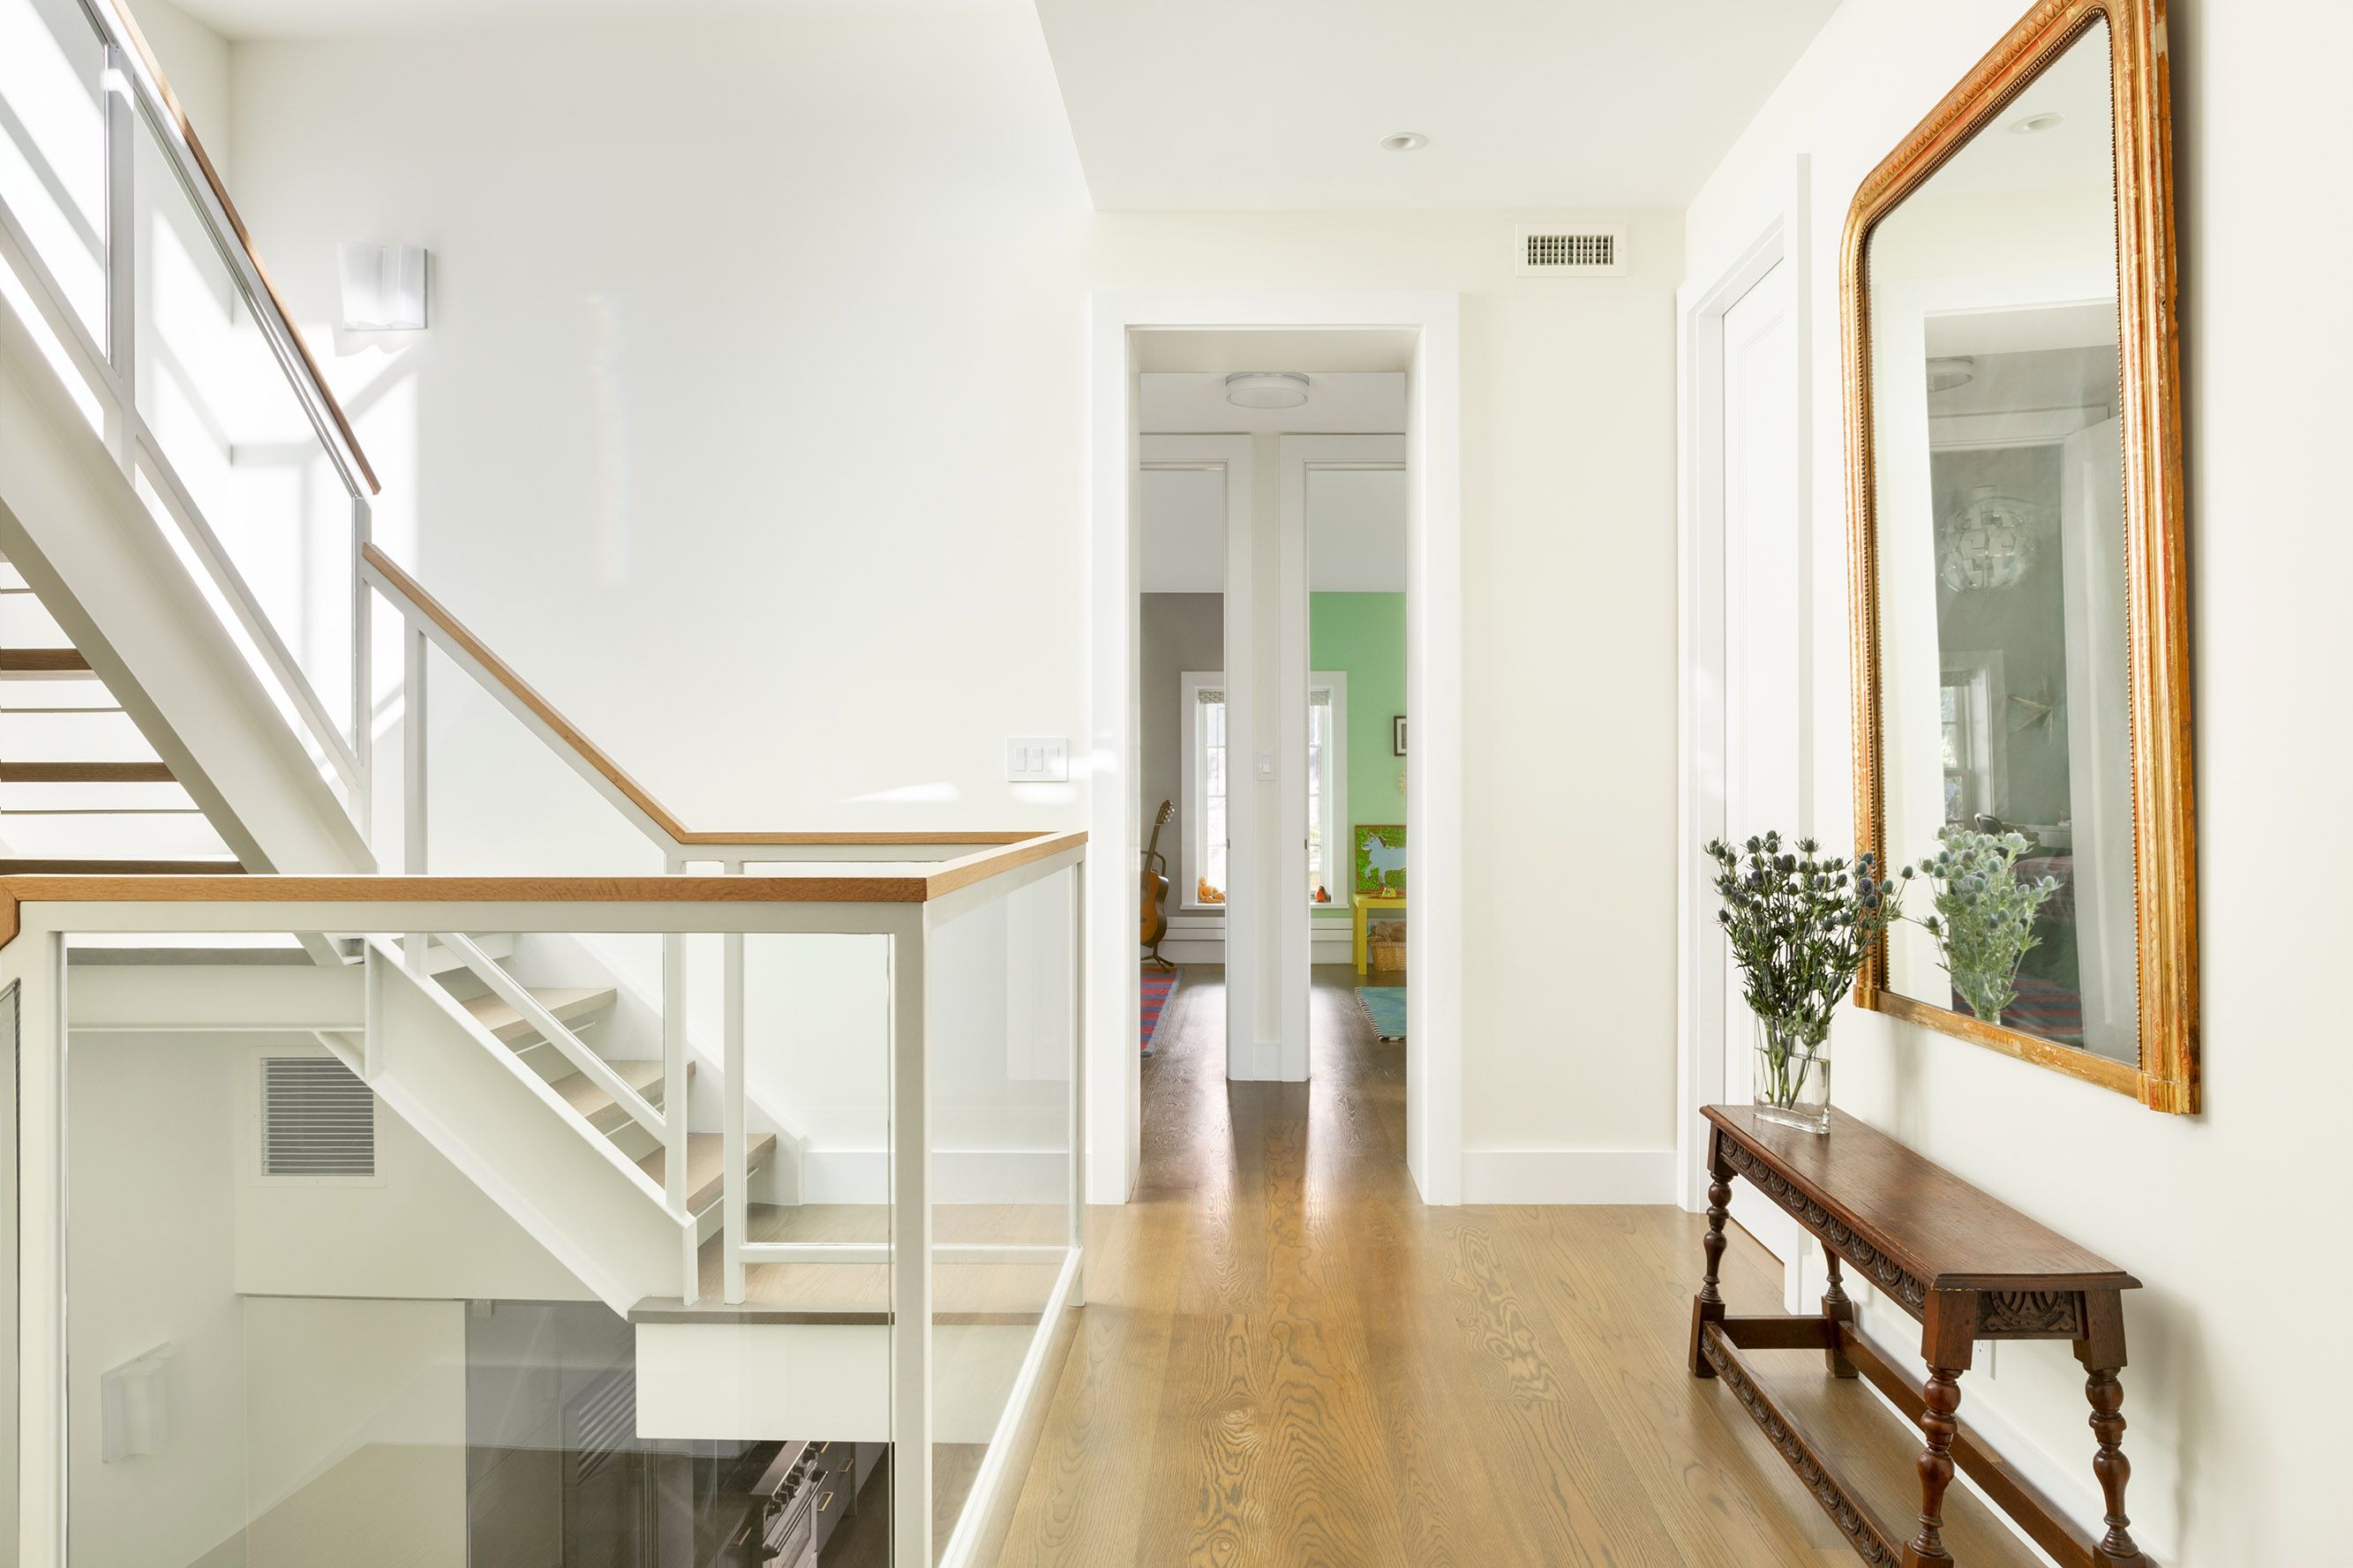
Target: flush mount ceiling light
<point>1951,371</point>
<point>2035,124</point>
<point>1404,142</point>
<point>1266,389</point>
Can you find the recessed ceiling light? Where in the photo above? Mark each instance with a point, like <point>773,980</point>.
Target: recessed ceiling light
<point>1266,389</point>
<point>1404,142</point>
<point>2033,123</point>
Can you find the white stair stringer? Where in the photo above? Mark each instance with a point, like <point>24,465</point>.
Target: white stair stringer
<point>73,527</point>
<point>502,1126</point>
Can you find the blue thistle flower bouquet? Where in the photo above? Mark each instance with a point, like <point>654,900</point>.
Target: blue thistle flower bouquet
<point>1984,923</point>
<point>1800,923</point>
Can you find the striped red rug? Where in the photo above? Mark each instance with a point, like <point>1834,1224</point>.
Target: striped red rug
<point>1158,986</point>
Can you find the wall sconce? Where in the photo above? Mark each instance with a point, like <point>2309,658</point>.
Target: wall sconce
<point>134,1416</point>
<point>384,287</point>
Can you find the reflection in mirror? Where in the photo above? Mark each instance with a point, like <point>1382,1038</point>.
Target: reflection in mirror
<point>2001,587</point>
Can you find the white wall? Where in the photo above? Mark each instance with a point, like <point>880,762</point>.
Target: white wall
<point>152,1229</point>
<point>2229,1451</point>
<point>751,411</point>
<point>423,1230</point>
<point>751,426</point>
<point>300,1430</point>
<point>196,61</point>
<point>357,1450</point>
<point>1569,563</point>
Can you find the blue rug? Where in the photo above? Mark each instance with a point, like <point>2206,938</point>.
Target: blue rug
<point>1385,1006</point>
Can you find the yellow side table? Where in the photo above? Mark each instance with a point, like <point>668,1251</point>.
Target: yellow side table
<point>1368,904</point>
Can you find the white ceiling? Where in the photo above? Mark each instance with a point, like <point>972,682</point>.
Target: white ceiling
<point>1213,104</point>
<point>2078,154</point>
<point>1350,404</point>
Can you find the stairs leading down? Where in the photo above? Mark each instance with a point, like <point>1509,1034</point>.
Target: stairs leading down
<point>585,1103</point>
<point>579,1008</point>
<point>82,790</point>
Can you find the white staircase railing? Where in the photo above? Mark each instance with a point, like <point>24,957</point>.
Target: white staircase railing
<point>911,910</point>
<point>158,368</point>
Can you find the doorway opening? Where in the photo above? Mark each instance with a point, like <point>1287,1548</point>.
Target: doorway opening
<point>1277,589</point>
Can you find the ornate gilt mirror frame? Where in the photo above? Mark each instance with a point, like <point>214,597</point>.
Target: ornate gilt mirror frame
<point>2165,1078</point>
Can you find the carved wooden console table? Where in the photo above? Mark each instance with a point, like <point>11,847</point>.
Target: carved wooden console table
<point>1968,1267</point>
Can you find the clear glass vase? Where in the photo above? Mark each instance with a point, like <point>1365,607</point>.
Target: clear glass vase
<point>1792,1085</point>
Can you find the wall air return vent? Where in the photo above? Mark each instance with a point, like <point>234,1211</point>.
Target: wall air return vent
<point>318,1119</point>
<point>1571,252</point>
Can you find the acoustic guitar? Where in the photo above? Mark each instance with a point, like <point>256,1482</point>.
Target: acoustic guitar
<point>1156,889</point>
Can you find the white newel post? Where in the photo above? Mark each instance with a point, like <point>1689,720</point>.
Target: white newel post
<point>733,1215</point>
<point>910,1250</point>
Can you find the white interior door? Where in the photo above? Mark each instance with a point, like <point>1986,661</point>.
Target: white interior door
<point>1763,570</point>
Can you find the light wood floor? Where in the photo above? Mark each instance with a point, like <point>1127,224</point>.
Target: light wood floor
<point>1288,1360</point>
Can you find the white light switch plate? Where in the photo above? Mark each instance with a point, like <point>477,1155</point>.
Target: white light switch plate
<point>1266,766</point>
<point>1038,759</point>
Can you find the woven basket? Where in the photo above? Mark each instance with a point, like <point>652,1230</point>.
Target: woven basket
<point>1389,954</point>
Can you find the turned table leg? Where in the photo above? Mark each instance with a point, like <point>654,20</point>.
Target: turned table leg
<point>1941,1394</point>
<point>1838,1310</point>
<point>1707,1307</point>
<point>2102,1351</point>
<point>1946,1345</point>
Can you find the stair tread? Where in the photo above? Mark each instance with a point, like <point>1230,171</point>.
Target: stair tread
<point>1011,1292</point>
<point>568,1002</point>
<point>584,1095</point>
<point>42,661</point>
<point>704,1177</point>
<point>86,773</point>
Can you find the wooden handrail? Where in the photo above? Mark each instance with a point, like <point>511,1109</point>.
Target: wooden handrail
<point>872,888</point>
<point>409,589</point>
<point>120,10</point>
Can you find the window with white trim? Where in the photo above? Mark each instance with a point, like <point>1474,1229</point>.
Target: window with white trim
<point>1202,882</point>
<point>1327,787</point>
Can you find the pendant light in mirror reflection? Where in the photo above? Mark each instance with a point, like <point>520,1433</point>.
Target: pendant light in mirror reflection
<point>383,286</point>
<point>1990,540</point>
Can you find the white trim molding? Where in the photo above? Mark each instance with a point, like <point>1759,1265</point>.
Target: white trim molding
<point>1702,781</point>
<point>1568,1176</point>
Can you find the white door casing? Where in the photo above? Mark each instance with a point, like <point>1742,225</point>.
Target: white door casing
<point>1762,581</point>
<point>1431,320</point>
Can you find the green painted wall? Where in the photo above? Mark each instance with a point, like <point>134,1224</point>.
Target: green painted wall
<point>1363,635</point>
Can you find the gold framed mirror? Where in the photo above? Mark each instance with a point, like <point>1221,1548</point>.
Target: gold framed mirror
<point>2014,505</point>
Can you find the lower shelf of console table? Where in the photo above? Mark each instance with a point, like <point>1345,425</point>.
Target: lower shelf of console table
<point>1967,1268</point>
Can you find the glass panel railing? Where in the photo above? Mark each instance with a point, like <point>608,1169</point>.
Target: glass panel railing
<point>234,463</point>
<point>1001,1032</point>
<point>53,146</point>
<point>11,1168</point>
<point>358,1344</point>
<point>497,799</point>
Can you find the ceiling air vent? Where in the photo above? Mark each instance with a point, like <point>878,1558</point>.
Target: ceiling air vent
<point>318,1119</point>
<point>1571,253</point>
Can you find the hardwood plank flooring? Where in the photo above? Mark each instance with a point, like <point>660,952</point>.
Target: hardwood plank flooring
<point>1288,1358</point>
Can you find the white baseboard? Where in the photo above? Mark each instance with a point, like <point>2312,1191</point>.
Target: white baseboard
<point>1201,939</point>
<point>1568,1176</point>
<point>959,1176</point>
